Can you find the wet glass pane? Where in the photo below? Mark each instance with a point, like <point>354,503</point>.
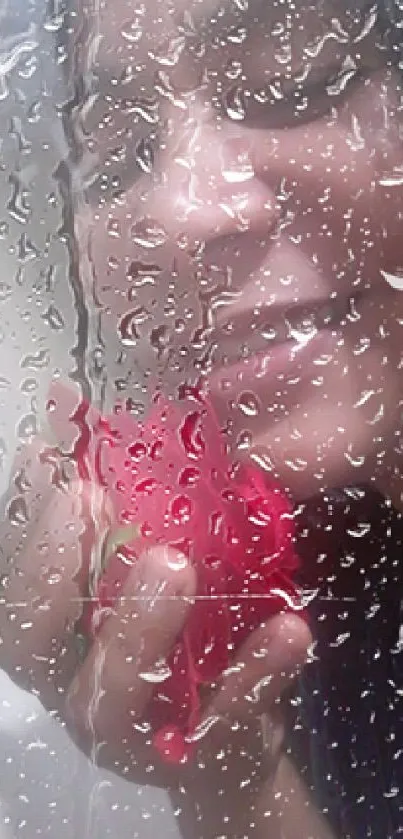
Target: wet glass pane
<point>200,419</point>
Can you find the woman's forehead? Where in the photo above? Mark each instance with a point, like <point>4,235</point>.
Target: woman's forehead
<point>125,21</point>
<point>126,32</point>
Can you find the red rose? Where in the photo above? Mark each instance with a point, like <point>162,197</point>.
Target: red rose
<point>171,479</point>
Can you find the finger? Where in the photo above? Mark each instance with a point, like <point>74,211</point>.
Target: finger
<point>293,812</point>
<point>42,597</point>
<point>114,684</point>
<point>266,665</point>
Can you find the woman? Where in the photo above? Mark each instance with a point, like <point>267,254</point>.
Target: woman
<point>244,162</point>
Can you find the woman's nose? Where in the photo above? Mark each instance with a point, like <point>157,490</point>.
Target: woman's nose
<point>210,187</point>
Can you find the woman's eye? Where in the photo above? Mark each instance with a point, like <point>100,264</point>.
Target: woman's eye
<point>280,107</point>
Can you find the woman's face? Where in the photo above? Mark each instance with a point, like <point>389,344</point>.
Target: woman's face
<point>246,221</point>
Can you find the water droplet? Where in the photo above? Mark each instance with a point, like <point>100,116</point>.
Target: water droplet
<point>113,228</point>
<point>283,53</point>
<point>54,318</point>
<point>141,315</point>
<point>235,104</point>
<point>180,326</point>
<point>145,156</point>
<point>244,441</point>
<point>191,435</point>
<point>138,450</point>
<point>3,451</point>
<point>341,639</point>
<point>113,263</point>
<point>269,332</point>
<point>141,274</point>
<point>189,476</point>
<point>132,30</point>
<point>36,361</point>
<point>27,251</point>
<point>18,205</point>
<point>169,51</point>
<point>360,530</point>
<point>216,520</point>
<point>394,178</point>
<point>177,561</point>
<point>34,111</point>
<point>212,562</point>
<point>160,338</point>
<point>239,169</point>
<point>146,109</point>
<point>52,576</point>
<point>156,450</point>
<point>249,404</point>
<point>181,509</point>
<point>297,465</point>
<point>134,407</point>
<point>28,386</point>
<point>22,481</point>
<point>55,21</point>
<point>127,329</point>
<point>51,406</point>
<point>357,461</point>
<point>237,35</point>
<point>27,427</point>
<point>158,674</point>
<point>233,70</point>
<point>17,511</point>
<point>148,234</point>
<point>147,486</point>
<point>5,291</point>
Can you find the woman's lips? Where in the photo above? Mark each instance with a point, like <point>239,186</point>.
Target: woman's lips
<point>261,330</point>
<point>261,375</point>
<point>274,366</point>
<point>299,337</point>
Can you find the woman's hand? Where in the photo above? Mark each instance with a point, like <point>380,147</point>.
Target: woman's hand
<point>102,698</point>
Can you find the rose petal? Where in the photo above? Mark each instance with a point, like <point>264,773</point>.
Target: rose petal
<point>171,476</point>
